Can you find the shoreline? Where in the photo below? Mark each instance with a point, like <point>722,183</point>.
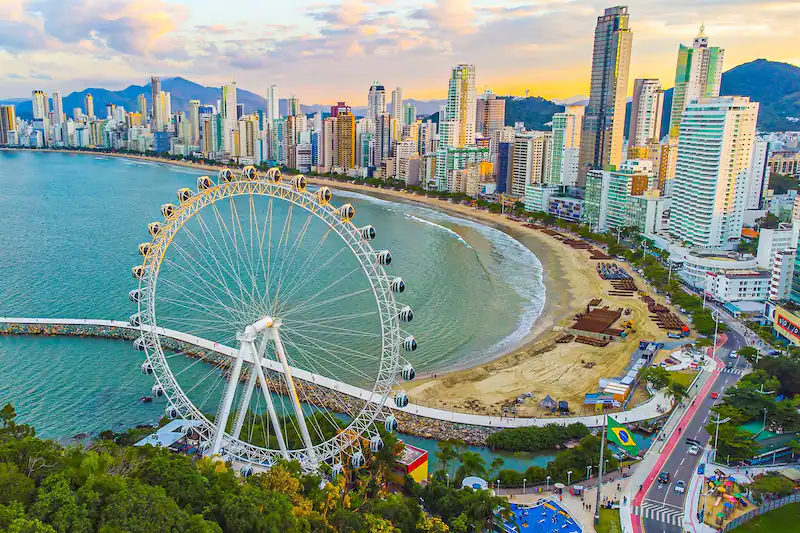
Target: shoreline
<point>536,363</point>
<point>539,245</point>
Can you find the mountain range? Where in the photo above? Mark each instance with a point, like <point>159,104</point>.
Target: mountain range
<point>775,85</point>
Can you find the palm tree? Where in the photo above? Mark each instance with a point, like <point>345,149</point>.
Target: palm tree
<point>472,464</point>
<point>448,451</point>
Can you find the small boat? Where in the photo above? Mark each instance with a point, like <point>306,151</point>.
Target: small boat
<point>146,399</point>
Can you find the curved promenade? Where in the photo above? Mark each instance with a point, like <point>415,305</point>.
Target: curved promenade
<point>645,411</point>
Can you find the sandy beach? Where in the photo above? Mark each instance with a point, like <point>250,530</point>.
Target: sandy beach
<point>539,365</point>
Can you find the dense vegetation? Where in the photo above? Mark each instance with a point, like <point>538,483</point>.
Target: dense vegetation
<point>772,388</point>
<point>112,488</point>
<point>782,184</point>
<point>535,439</point>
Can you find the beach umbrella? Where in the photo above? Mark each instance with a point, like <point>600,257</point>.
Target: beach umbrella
<point>731,478</point>
<point>727,504</point>
<point>737,494</point>
<point>720,515</point>
<point>559,485</point>
<point>722,490</point>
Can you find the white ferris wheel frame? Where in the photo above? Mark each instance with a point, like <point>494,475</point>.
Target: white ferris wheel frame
<point>363,426</point>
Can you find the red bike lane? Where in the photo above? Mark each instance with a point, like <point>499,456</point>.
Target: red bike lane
<point>673,441</point>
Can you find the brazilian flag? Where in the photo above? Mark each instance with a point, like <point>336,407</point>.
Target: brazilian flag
<point>621,436</point>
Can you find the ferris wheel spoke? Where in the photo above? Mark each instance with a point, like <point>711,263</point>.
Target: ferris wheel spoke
<point>333,330</point>
<point>211,307</point>
<point>194,306</point>
<point>283,244</point>
<point>307,303</point>
<point>300,272</point>
<point>224,252</point>
<point>236,268</point>
<point>308,306</point>
<point>246,253</point>
<point>320,344</point>
<point>222,273</point>
<point>340,318</point>
<point>195,278</point>
<point>310,277</point>
<point>287,268</point>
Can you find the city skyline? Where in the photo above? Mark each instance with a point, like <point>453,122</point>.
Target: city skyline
<point>543,47</point>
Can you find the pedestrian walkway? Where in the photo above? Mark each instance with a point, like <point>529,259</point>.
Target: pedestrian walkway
<point>661,512</point>
<point>737,371</point>
<point>644,411</point>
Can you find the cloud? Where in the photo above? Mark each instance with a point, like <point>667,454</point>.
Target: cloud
<point>450,16</point>
<point>13,76</point>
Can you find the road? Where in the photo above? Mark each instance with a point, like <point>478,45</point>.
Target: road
<point>662,507</point>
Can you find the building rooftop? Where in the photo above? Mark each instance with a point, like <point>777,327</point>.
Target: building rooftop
<point>411,454</point>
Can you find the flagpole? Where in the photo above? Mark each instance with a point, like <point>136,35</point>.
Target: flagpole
<point>600,470</point>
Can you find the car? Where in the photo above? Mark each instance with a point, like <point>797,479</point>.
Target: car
<point>728,366</point>
<point>663,477</point>
<point>714,395</point>
<point>694,450</point>
<point>733,354</point>
<point>701,469</point>
<point>680,487</point>
<point>672,335</point>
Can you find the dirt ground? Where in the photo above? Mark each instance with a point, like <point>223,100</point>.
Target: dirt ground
<point>544,367</point>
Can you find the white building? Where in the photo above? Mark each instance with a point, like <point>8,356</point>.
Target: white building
<point>646,109</point>
<point>738,286</point>
<point>530,162</point>
<point>714,154</point>
<point>772,241</point>
<point>757,177</point>
<point>780,284</point>
<point>376,102</point>
<point>567,127</point>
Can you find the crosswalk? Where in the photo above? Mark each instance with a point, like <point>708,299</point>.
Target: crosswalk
<point>660,512</point>
<point>737,371</point>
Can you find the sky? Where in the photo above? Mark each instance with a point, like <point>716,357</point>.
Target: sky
<point>323,52</point>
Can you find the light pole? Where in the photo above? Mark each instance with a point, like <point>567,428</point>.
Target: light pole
<point>448,480</point>
<point>764,426</point>
<point>715,316</point>
<point>524,480</point>
<point>498,486</point>
<point>718,423</point>
<point>588,471</point>
<point>569,476</point>
<point>547,483</point>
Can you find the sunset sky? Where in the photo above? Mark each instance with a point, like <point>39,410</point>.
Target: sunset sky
<point>323,52</point>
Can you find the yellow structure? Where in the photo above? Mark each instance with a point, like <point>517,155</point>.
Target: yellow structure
<point>787,324</point>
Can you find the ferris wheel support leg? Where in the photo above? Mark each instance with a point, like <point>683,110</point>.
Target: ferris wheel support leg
<point>221,420</point>
<point>298,410</point>
<point>271,409</point>
<point>245,404</point>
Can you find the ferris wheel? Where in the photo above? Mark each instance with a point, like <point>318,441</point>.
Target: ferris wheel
<point>269,323</point>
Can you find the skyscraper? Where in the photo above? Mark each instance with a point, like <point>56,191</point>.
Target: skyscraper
<point>460,110</point>
<point>228,113</point>
<point>490,113</point>
<point>58,108</point>
<point>345,140</point>
<point>156,118</point>
<point>715,148</point>
<point>697,75</point>
<point>8,123</point>
<point>382,142</point>
<point>397,113</point>
<point>88,104</point>
<point>272,104</point>
<point>646,109</point>
<point>141,105</point>
<point>293,106</point>
<point>567,128</point>
<point>376,102</point>
<point>604,123</point>
<point>409,113</point>
<point>39,104</point>
<point>194,122</point>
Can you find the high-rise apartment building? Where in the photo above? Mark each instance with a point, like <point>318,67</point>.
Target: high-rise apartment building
<point>409,113</point>
<point>697,75</point>
<point>345,141</point>
<point>376,102</point>
<point>8,123</point>
<point>383,139</point>
<point>141,105</point>
<point>397,112</point>
<point>490,113</point>
<point>461,106</point>
<point>156,118</point>
<point>567,127</point>
<point>327,149</point>
<point>604,122</point>
<point>58,108</point>
<point>194,122</point>
<point>715,148</point>
<point>292,106</point>
<point>88,104</point>
<point>39,103</point>
<point>646,109</point>
<point>273,111</point>
<point>530,161</point>
<point>229,121</point>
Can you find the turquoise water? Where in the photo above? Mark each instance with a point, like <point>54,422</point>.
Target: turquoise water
<point>71,224</point>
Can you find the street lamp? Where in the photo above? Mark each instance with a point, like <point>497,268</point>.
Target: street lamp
<point>588,471</point>
<point>547,483</point>
<point>448,479</point>
<point>524,480</point>
<point>718,423</point>
<point>569,475</point>
<point>497,484</point>
<point>715,316</point>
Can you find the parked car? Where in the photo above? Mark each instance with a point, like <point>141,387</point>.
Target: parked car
<point>694,450</point>
<point>663,477</point>
<point>672,335</point>
<point>680,487</point>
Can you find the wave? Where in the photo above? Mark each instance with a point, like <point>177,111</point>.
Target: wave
<point>520,268</point>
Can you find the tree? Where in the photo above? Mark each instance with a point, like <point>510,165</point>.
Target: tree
<point>15,486</point>
<point>657,377</point>
<point>733,442</point>
<point>472,464</point>
<point>7,415</point>
<point>677,391</point>
<point>749,353</point>
<point>772,484</point>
